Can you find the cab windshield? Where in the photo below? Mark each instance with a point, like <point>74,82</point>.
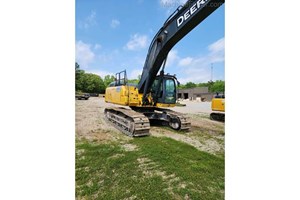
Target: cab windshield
<point>170,91</point>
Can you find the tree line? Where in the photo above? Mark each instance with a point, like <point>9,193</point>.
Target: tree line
<point>93,83</point>
<point>90,83</point>
<point>217,86</point>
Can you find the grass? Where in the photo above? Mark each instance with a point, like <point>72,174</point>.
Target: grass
<point>211,137</point>
<point>158,168</point>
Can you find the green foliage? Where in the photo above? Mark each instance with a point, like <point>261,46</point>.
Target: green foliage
<point>88,82</point>
<point>108,171</point>
<point>190,85</point>
<point>218,86</point>
<point>203,84</point>
<point>187,85</point>
<point>135,81</point>
<point>93,83</point>
<point>76,66</point>
<point>78,74</point>
<point>180,86</point>
<point>108,79</point>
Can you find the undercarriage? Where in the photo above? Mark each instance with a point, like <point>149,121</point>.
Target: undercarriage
<point>136,121</point>
<point>218,116</point>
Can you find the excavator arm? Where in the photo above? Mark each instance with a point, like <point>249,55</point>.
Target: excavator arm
<point>179,24</point>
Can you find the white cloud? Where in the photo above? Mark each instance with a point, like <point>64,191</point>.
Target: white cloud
<point>217,50</point>
<point>197,75</point>
<point>88,21</point>
<point>114,23</point>
<point>217,46</point>
<point>164,2</point>
<point>198,69</point>
<point>97,46</point>
<point>172,58</point>
<point>172,3</point>
<point>83,54</point>
<point>137,42</point>
<point>101,73</point>
<point>105,58</point>
<point>185,61</point>
<point>135,73</point>
<point>194,69</point>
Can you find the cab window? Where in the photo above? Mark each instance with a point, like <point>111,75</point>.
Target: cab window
<point>170,91</point>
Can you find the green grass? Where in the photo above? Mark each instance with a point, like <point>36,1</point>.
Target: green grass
<point>159,168</point>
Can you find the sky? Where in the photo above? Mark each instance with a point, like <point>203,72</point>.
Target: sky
<point>114,35</point>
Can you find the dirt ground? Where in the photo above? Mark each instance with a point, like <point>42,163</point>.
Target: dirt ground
<point>205,134</point>
<point>194,107</point>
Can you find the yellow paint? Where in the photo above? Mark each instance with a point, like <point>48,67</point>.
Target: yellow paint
<point>122,95</point>
<point>218,104</point>
<point>165,105</point>
<point>128,96</point>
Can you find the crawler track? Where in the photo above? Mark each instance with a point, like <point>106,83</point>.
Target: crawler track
<point>130,122</point>
<point>185,122</point>
<point>175,120</point>
<point>217,116</point>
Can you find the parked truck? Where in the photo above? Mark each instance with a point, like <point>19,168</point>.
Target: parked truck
<point>82,96</point>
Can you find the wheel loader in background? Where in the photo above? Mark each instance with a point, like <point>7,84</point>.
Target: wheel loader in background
<point>155,92</point>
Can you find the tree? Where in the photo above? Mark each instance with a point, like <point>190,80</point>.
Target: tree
<point>78,76</point>
<point>190,85</point>
<point>209,85</point>
<point>135,81</point>
<point>218,86</point>
<point>187,85</point>
<point>88,82</point>
<point>107,80</point>
<point>92,83</point>
<point>203,84</point>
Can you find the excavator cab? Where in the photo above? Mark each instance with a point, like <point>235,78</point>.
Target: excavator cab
<point>163,89</point>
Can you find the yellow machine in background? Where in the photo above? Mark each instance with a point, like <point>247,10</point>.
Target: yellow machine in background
<point>218,108</point>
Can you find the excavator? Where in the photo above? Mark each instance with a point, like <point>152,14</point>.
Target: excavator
<point>218,108</point>
<point>155,92</point>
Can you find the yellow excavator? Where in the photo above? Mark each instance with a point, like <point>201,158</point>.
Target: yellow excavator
<point>218,108</point>
<point>156,91</point>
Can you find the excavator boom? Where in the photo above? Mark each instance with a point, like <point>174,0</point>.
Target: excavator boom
<point>180,23</point>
